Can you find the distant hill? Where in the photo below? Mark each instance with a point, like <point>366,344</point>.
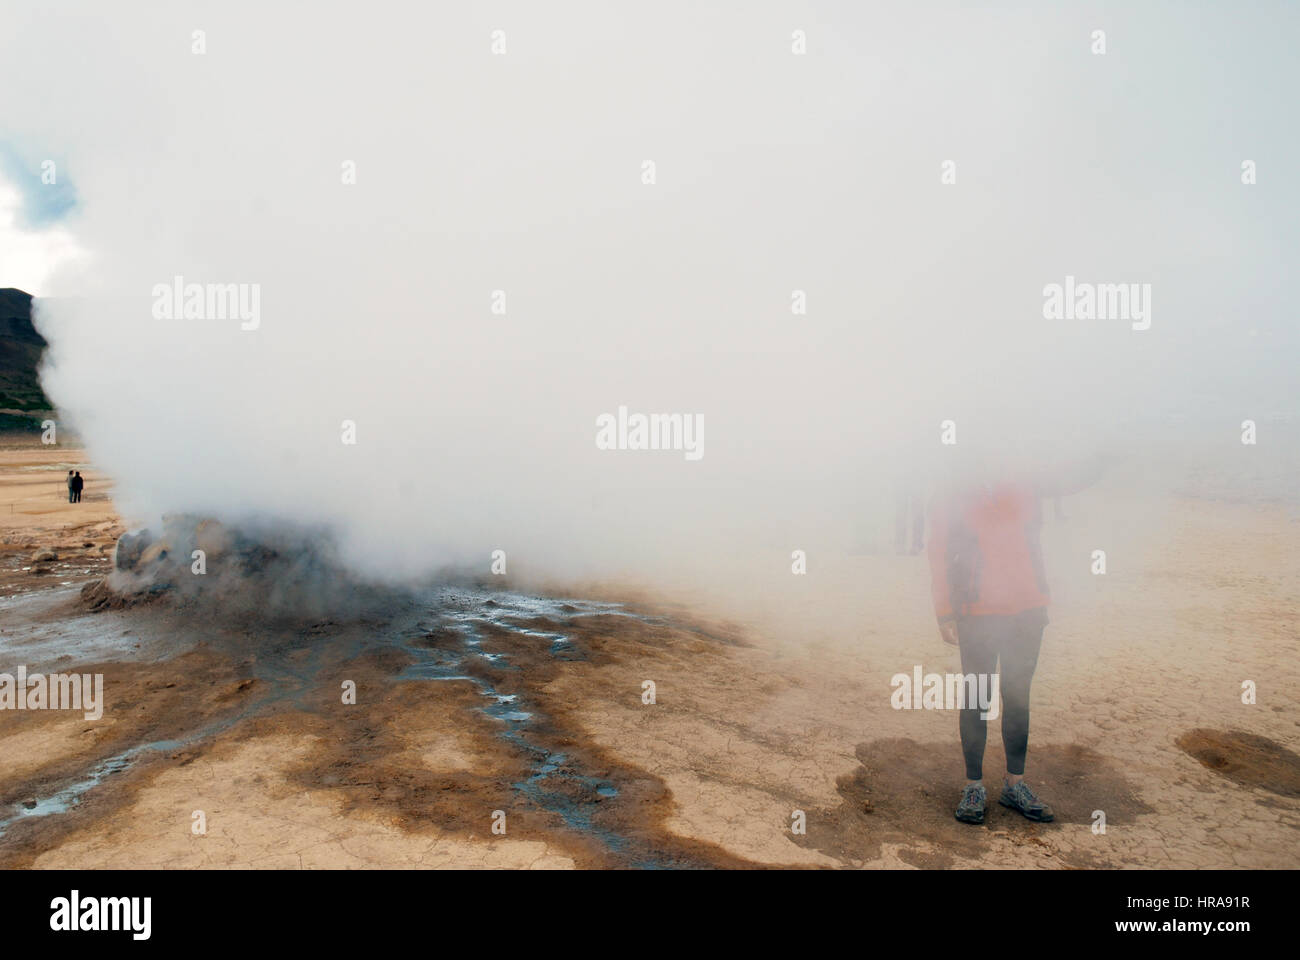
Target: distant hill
<point>20,354</point>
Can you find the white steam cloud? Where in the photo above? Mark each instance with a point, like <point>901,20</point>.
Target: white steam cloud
<point>524,172</point>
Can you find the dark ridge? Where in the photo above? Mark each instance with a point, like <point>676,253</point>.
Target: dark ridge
<point>21,348</point>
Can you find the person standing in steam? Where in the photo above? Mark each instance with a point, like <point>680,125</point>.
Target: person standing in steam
<point>77,485</point>
<point>909,515</point>
<point>70,500</point>
<point>990,596</point>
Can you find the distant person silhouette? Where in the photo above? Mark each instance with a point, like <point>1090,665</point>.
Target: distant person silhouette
<point>909,516</point>
<point>77,485</point>
<point>70,495</point>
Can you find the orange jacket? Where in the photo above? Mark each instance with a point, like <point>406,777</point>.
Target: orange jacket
<point>985,555</point>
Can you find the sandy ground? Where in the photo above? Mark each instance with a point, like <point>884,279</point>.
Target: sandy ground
<point>36,518</point>
<point>772,699</point>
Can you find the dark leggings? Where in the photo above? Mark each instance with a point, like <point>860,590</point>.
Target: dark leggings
<point>1015,641</point>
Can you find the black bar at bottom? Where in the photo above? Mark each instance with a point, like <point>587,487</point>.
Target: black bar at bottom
<point>609,911</point>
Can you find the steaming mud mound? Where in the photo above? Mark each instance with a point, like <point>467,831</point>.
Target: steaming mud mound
<point>100,595</point>
<point>1245,758</point>
<point>271,571</point>
<point>904,793</point>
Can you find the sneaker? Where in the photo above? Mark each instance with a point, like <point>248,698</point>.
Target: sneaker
<point>971,808</point>
<point>1021,798</point>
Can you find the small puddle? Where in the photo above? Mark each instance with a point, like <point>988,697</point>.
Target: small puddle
<point>70,796</point>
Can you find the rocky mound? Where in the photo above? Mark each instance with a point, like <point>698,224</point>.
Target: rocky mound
<point>269,571</point>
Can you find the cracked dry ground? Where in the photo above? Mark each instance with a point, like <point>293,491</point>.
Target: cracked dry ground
<point>778,700</point>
